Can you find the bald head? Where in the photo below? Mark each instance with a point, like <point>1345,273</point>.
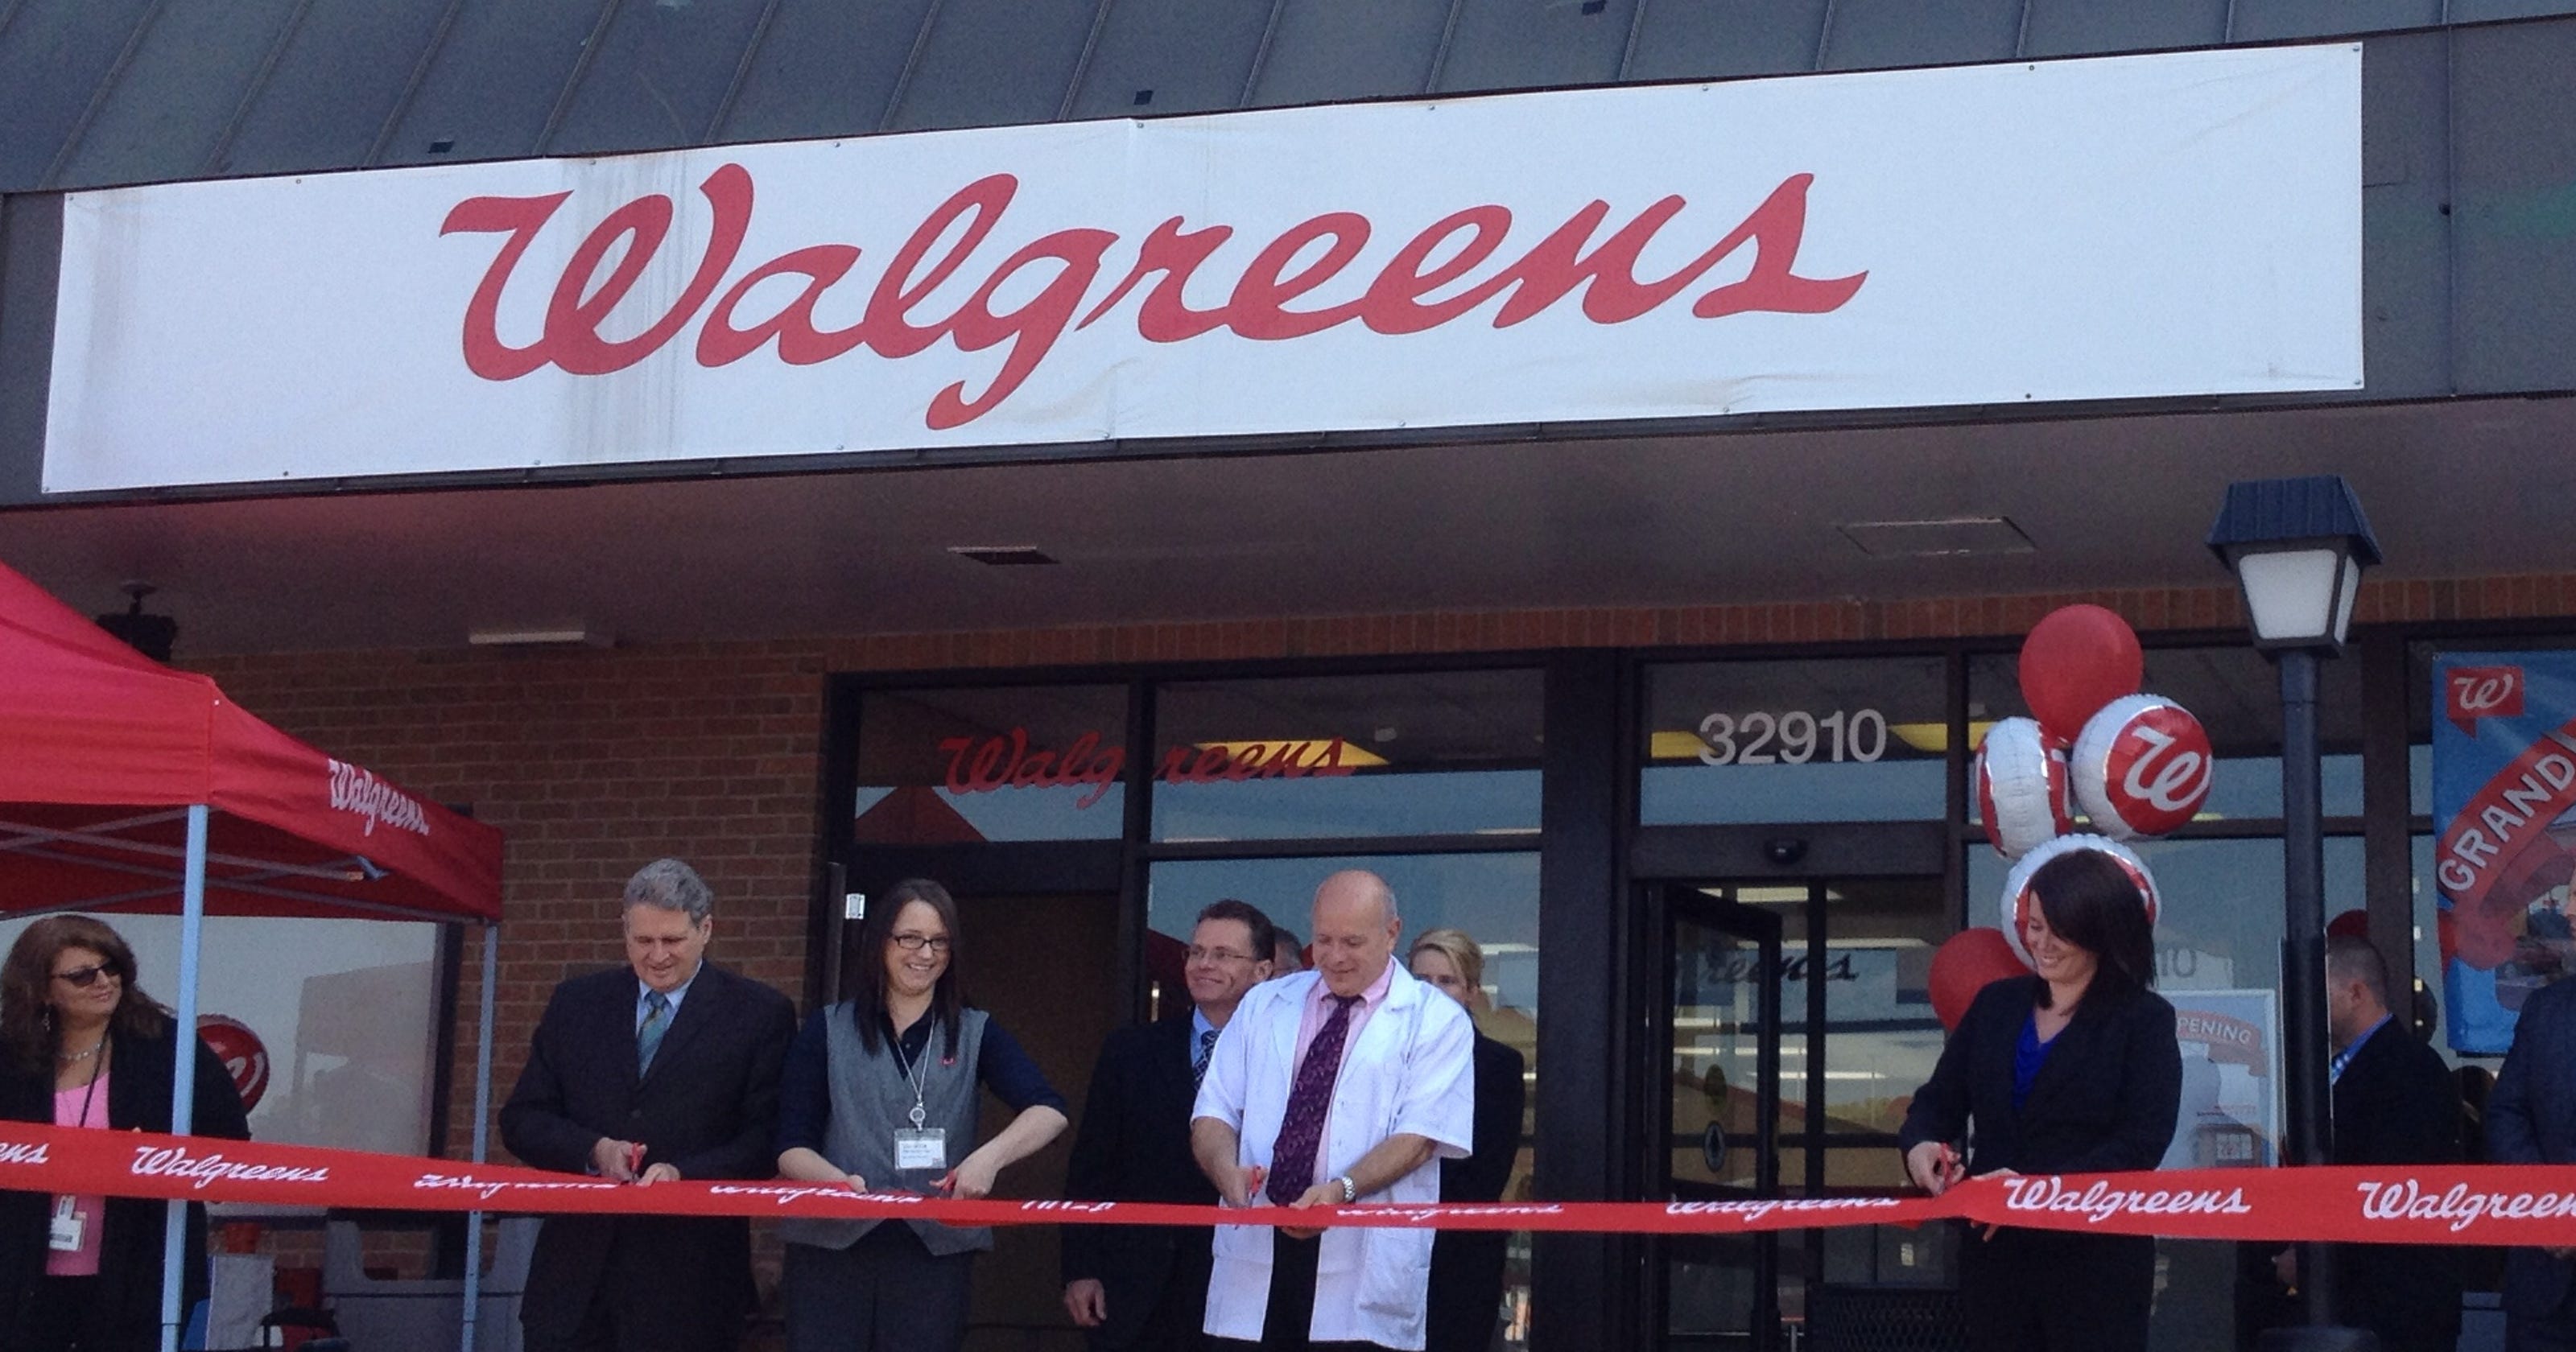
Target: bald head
<point>1356,927</point>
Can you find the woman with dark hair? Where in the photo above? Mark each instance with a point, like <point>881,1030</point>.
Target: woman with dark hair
<point>880,1094</point>
<point>2073,1069</point>
<point>85,1047</point>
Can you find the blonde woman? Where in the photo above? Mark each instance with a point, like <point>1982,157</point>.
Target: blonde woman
<point>1467,1265</point>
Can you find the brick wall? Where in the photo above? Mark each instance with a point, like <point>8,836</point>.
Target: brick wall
<point>593,762</point>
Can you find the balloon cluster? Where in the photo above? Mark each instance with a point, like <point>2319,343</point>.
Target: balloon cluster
<point>2137,765</point>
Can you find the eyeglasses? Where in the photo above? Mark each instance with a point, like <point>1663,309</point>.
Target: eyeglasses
<point>1197,954</point>
<point>914,943</point>
<point>85,977</point>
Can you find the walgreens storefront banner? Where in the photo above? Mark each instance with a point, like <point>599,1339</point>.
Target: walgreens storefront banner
<point>2135,227</point>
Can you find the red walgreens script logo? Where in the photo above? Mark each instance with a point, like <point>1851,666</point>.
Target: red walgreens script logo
<point>1395,302</point>
<point>2472,693</point>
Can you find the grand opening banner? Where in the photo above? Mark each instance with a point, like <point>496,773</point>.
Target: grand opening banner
<point>2135,227</point>
<point>2504,803</point>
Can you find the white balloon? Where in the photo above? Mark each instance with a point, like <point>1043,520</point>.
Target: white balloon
<point>2017,900</point>
<point>2022,788</point>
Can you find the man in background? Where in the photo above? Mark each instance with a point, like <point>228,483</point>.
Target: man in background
<point>1145,1287</point>
<point>2394,1103</point>
<point>664,1069</point>
<point>2531,1119</point>
<point>1287,955</point>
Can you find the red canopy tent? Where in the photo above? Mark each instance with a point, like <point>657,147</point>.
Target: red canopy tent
<point>127,786</point>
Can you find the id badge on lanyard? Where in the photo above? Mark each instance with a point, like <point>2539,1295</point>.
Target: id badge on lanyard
<point>70,1223</point>
<point>920,1147</point>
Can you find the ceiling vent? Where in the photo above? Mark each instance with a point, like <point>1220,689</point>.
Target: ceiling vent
<point>1944,538</point>
<point>1003,556</point>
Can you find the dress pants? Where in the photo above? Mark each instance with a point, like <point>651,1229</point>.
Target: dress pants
<point>1180,1313</point>
<point>1291,1309</point>
<point>627,1308</point>
<point>885,1293</point>
<point>2052,1291</point>
<point>64,1317</point>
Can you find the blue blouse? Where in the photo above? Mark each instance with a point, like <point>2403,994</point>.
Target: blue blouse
<point>2028,1054</point>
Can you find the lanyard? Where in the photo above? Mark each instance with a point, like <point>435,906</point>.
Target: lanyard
<point>911,1067</point>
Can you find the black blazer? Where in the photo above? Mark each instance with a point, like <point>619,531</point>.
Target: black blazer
<point>1466,1291</point>
<point>2397,1104</point>
<point>1134,1146</point>
<point>129,1258</point>
<point>2531,1119</point>
<point>708,1109</point>
<point>2105,1099</point>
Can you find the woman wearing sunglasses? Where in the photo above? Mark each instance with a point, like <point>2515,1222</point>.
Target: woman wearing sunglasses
<point>82,1046</point>
<point>880,1094</point>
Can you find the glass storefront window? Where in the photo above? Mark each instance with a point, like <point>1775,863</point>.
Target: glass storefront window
<point>962,765</point>
<point>1880,1035</point>
<point>1414,754</point>
<point>1839,739</point>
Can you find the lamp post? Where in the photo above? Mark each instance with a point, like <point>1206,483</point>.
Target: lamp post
<point>2297,547</point>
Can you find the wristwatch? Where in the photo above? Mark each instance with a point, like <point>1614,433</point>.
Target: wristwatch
<point>1350,1190</point>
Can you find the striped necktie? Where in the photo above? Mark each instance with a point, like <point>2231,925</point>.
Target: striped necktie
<point>1199,1063</point>
<point>648,1038</point>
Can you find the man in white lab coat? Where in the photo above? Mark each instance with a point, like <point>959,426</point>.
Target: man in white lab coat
<point>1345,1083</point>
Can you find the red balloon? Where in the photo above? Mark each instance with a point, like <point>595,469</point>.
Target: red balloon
<point>2077,659</point>
<point>1966,963</point>
<point>242,1053</point>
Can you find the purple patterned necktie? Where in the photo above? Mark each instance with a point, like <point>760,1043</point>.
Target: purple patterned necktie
<point>1301,1128</point>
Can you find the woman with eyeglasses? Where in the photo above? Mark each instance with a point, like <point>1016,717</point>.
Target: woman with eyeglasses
<point>880,1095</point>
<point>82,1046</point>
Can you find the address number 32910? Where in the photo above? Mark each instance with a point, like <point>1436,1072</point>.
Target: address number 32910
<point>1792,738</point>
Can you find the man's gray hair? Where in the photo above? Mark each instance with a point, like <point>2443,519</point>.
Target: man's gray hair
<point>671,886</point>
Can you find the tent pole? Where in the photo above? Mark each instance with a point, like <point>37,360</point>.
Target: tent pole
<point>183,1070</point>
<point>482,1131</point>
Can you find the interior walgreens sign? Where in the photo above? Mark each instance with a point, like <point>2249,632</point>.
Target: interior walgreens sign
<point>2137,227</point>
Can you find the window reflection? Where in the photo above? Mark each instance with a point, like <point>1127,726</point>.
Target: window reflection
<point>1423,753</point>
<point>957,766</point>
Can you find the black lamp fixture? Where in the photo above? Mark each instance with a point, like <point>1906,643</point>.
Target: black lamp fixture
<point>2297,547</point>
<point>150,635</point>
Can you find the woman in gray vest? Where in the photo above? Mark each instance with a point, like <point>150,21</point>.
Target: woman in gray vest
<point>880,1093</point>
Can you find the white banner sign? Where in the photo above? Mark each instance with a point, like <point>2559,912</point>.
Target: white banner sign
<point>2135,227</point>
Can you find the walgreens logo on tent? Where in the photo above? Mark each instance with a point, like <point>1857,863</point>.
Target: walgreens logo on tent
<point>356,789</point>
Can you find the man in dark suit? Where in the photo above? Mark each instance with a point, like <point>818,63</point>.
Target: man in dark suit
<point>2394,1103</point>
<point>661,1070</point>
<point>1145,1287</point>
<point>2531,1119</point>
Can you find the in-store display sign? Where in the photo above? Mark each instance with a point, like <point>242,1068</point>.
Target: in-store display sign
<point>1868,240</point>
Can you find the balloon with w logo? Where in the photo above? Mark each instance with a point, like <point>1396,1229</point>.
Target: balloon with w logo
<point>2141,767</point>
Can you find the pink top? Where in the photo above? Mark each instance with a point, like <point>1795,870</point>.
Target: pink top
<point>68,1104</point>
<point>1319,1007</point>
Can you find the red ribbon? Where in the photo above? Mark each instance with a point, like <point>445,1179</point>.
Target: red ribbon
<point>2486,1204</point>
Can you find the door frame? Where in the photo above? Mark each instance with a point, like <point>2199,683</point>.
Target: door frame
<point>1668,903</point>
